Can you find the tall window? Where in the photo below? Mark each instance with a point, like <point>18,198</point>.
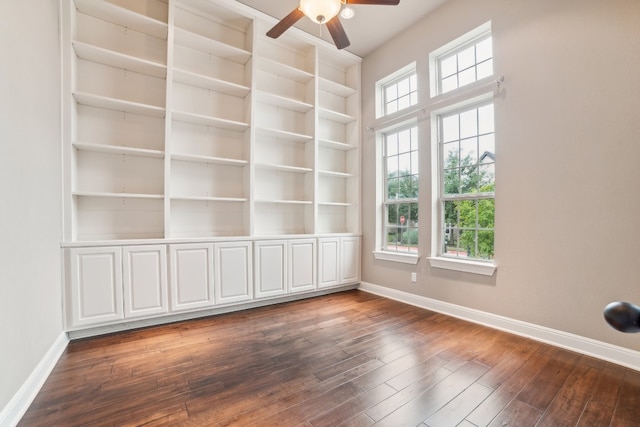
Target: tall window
<point>400,154</point>
<point>467,182</point>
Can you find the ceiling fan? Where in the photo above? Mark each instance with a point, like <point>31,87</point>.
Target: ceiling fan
<point>323,12</point>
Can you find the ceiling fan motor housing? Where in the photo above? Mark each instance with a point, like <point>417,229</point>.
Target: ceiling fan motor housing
<point>320,11</point>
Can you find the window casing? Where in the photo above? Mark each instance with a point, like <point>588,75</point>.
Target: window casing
<point>401,177</point>
<point>466,167</point>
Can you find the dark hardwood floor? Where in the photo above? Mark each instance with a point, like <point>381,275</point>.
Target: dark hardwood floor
<point>347,359</point>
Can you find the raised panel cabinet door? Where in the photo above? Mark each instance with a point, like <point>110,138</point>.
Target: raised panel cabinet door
<point>96,285</point>
<point>191,276</point>
<point>328,262</point>
<point>349,260</point>
<point>233,266</point>
<point>145,280</point>
<point>302,265</point>
<point>270,268</point>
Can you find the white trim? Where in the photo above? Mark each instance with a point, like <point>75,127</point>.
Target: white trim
<point>590,347</point>
<point>466,266</point>
<point>396,257</point>
<point>20,402</point>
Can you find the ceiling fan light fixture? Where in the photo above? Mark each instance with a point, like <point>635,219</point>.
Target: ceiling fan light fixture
<point>347,12</point>
<point>320,11</point>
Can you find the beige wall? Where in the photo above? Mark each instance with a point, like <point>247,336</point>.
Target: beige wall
<point>568,161</point>
<point>30,189</point>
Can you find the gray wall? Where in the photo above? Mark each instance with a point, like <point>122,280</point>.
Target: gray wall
<point>568,161</point>
<point>30,189</point>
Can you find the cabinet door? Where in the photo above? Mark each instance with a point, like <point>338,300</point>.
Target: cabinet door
<point>302,265</point>
<point>191,276</point>
<point>349,260</point>
<point>233,263</point>
<point>96,285</point>
<point>328,262</point>
<point>145,280</point>
<point>270,268</point>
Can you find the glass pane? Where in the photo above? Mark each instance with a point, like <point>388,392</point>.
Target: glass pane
<point>451,181</point>
<point>468,123</point>
<point>448,66</point>
<point>486,213</point>
<point>393,188</point>
<point>466,58</point>
<point>391,92</point>
<point>392,166</point>
<point>487,178</point>
<point>485,119</point>
<point>414,163</point>
<point>413,82</point>
<point>414,98</point>
<point>450,128</point>
<point>404,164</point>
<point>451,155</point>
<point>485,244</point>
<point>487,148</point>
<point>414,186</point>
<point>450,83</point>
<point>392,107</point>
<point>467,211</point>
<point>392,216</point>
<point>404,102</point>
<point>404,141</point>
<point>403,87</point>
<point>467,76</point>
<point>484,69</point>
<point>484,50</point>
<point>450,214</point>
<point>414,138</point>
<point>469,151</point>
<point>469,179</point>
<point>392,143</point>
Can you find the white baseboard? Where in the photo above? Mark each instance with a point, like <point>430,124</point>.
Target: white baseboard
<point>18,405</point>
<point>590,347</point>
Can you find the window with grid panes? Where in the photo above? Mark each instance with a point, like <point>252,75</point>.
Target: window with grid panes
<point>467,182</point>
<point>400,93</point>
<point>401,173</point>
<point>466,64</point>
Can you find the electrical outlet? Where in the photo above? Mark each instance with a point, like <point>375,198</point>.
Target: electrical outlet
<point>414,277</point>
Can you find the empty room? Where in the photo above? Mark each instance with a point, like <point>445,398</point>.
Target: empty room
<point>320,213</point>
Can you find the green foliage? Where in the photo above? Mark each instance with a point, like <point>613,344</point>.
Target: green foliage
<point>410,237</point>
<point>402,186</point>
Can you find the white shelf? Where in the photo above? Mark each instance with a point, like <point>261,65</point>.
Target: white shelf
<point>336,116</point>
<point>210,199</point>
<point>124,17</point>
<point>335,145</point>
<point>205,82</point>
<point>208,159</point>
<point>200,119</point>
<point>284,70</point>
<point>285,202</point>
<point>334,204</point>
<point>118,149</point>
<point>116,195</point>
<point>211,46</point>
<point>119,60</point>
<point>118,104</point>
<point>283,168</point>
<point>336,88</point>
<point>284,102</point>
<point>335,174</point>
<point>283,134</point>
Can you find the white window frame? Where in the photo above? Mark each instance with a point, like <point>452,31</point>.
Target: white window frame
<point>393,78</point>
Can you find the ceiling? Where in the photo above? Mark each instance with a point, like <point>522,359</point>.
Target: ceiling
<point>364,28</point>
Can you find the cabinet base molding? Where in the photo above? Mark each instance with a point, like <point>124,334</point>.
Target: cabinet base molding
<point>172,318</point>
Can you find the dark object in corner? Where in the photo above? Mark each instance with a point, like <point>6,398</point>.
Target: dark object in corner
<point>623,316</point>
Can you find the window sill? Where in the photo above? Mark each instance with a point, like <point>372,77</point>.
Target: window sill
<point>474,267</point>
<point>396,257</point>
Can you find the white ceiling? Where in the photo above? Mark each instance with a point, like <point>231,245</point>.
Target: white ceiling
<point>368,29</point>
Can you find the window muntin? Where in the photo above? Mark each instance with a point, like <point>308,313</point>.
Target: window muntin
<point>400,93</point>
<point>467,182</point>
<point>401,176</point>
<point>464,65</point>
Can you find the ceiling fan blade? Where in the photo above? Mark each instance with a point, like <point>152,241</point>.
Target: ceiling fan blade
<point>379,2</point>
<point>285,23</point>
<point>337,33</point>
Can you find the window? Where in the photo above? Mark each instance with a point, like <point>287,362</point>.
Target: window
<point>467,182</point>
<point>397,91</point>
<point>400,154</point>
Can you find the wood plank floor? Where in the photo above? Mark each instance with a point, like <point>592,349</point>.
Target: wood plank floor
<point>347,359</point>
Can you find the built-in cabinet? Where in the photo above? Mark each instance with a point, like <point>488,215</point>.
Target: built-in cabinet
<point>187,128</point>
